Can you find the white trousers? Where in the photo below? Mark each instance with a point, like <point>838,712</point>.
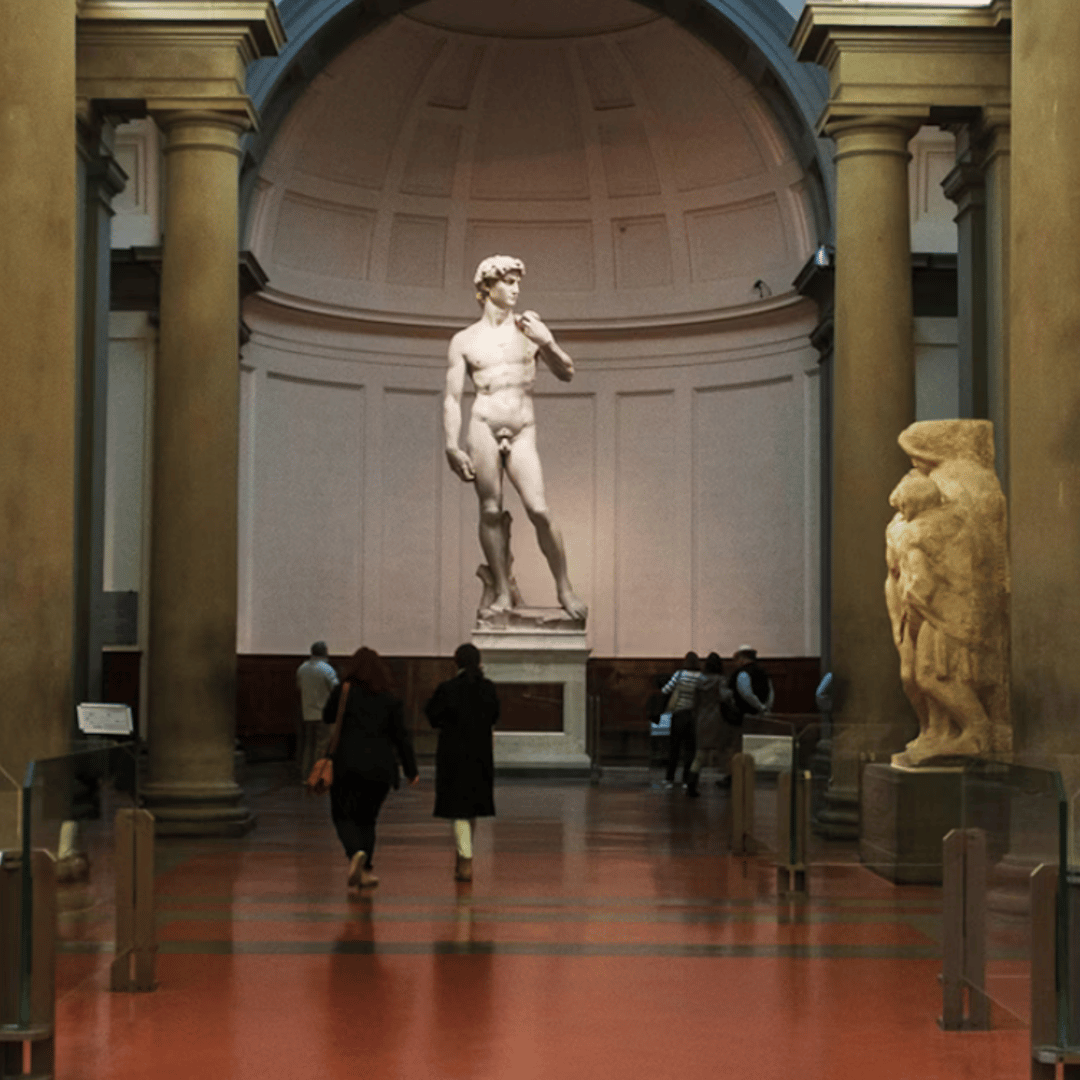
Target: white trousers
<point>463,829</point>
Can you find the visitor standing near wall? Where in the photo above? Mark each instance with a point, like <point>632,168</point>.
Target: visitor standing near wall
<point>717,740</point>
<point>751,688</point>
<point>315,679</point>
<point>683,686</point>
<point>464,710</point>
<point>370,743</point>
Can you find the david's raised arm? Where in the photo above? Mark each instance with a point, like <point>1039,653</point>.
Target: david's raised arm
<point>547,348</point>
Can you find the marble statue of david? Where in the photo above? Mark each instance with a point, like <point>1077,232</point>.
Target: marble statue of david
<point>499,353</point>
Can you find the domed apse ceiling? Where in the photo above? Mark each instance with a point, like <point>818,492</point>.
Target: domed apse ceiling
<point>532,18</point>
<point>639,175</point>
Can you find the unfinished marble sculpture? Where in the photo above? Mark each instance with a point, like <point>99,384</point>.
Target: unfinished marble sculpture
<point>499,353</point>
<point>947,592</point>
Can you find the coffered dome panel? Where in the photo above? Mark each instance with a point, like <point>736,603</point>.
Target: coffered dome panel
<point>526,152</point>
<point>364,105</point>
<point>635,170</point>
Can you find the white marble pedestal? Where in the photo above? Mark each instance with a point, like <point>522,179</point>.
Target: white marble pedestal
<point>549,653</point>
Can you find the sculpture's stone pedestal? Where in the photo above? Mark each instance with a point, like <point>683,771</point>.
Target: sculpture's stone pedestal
<point>548,650</point>
<point>905,816</point>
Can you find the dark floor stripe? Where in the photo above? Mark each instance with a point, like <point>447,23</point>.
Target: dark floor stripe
<point>503,948</point>
<point>717,918</point>
<point>927,906</point>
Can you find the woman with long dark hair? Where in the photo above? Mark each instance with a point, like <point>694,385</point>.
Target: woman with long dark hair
<point>464,709</point>
<point>371,742</point>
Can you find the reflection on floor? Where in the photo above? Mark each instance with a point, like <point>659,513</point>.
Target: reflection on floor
<point>607,934</point>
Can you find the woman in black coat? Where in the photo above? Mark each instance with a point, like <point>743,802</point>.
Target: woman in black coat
<point>372,740</point>
<point>464,710</point>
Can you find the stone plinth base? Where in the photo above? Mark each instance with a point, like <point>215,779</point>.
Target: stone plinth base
<point>540,652</point>
<point>198,809</point>
<point>545,620</point>
<point>905,816</point>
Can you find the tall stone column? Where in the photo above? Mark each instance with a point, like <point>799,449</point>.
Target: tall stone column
<point>966,186</point>
<point>37,414</point>
<point>873,401</point>
<point>996,171</point>
<point>1044,384</point>
<point>193,575</point>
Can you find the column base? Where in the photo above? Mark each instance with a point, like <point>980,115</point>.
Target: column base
<point>838,818</point>
<point>821,760</point>
<point>198,809</point>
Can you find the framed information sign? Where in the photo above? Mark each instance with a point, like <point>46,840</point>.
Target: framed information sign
<point>101,719</point>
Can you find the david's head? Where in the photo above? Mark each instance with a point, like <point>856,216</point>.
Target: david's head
<point>495,269</point>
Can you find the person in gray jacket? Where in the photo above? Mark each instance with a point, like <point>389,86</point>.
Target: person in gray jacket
<point>315,679</point>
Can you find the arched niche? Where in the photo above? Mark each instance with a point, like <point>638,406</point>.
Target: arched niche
<point>663,207</point>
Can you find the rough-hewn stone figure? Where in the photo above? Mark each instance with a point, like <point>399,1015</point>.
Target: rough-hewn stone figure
<point>947,591</point>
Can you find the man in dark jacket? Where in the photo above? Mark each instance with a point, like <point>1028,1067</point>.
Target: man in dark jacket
<point>751,688</point>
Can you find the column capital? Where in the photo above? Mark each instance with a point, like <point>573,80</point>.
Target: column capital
<point>871,134</point>
<point>965,185</point>
<point>237,115</point>
<point>995,133</point>
<point>94,146</point>
<point>110,179</point>
<point>201,129</point>
<point>996,118</point>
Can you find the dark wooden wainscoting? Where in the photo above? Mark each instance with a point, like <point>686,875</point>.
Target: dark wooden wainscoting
<point>622,686</point>
<point>120,679</point>
<point>268,704</point>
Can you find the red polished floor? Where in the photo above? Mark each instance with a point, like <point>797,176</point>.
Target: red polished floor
<point>607,934</point>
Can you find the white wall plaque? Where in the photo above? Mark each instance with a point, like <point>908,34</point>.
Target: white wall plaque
<point>100,719</point>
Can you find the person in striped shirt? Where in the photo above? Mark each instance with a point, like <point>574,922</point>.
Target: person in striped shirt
<point>683,687</point>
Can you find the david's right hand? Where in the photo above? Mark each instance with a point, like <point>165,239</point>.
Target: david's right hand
<point>461,464</point>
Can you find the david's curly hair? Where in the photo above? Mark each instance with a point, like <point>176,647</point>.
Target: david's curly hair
<point>495,268</point>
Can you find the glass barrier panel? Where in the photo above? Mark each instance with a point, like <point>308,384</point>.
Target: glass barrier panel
<point>770,742</point>
<point>783,744</point>
<point>13,946</point>
<point>877,841</point>
<point>91,782</point>
<point>1015,815</point>
<point>10,812</point>
<point>71,805</point>
<point>1069,928</point>
<point>875,838</point>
